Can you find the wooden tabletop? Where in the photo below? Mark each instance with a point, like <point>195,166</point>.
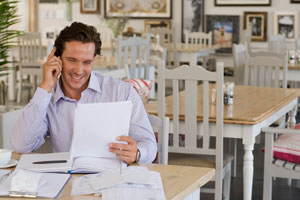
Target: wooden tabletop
<point>251,104</point>
<point>294,66</point>
<point>178,181</point>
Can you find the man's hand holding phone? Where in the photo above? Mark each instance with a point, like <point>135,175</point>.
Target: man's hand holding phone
<point>51,70</point>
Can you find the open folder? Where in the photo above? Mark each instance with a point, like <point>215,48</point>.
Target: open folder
<point>49,185</point>
<point>95,126</point>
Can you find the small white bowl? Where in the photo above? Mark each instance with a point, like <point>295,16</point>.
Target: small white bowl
<point>5,156</point>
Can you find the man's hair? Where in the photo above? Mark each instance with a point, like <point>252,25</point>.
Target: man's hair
<point>78,32</point>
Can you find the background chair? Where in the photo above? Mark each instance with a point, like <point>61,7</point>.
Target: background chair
<point>161,127</point>
<point>276,43</point>
<point>286,170</point>
<point>266,69</point>
<point>201,40</point>
<point>135,53</point>
<point>191,153</point>
<point>30,62</point>
<point>167,38</point>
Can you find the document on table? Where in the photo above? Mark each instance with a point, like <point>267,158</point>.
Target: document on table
<point>134,183</point>
<point>98,124</point>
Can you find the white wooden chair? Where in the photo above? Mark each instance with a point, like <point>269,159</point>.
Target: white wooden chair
<point>288,170</point>
<point>202,40</point>
<point>239,57</point>
<point>276,43</point>
<point>266,69</point>
<point>161,127</point>
<point>190,153</point>
<point>167,39</point>
<point>135,53</point>
<point>30,61</point>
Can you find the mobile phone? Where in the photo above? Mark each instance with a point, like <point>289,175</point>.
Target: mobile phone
<point>58,52</point>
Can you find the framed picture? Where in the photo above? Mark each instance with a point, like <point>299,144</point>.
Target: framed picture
<point>157,23</point>
<point>286,23</point>
<point>89,6</point>
<point>192,16</point>
<point>242,2</point>
<point>295,1</point>
<point>138,9</point>
<point>258,20</point>
<point>225,31</point>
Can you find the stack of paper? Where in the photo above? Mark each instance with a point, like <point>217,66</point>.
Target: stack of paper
<point>134,183</point>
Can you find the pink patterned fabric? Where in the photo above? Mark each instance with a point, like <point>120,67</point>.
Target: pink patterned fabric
<point>142,86</point>
<point>287,147</point>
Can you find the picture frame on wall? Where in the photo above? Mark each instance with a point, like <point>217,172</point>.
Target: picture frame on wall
<point>286,23</point>
<point>225,31</point>
<point>89,6</point>
<point>242,2</point>
<point>157,23</point>
<point>192,16</point>
<point>139,9</point>
<point>295,1</point>
<point>258,21</point>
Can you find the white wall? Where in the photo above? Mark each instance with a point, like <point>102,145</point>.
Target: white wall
<point>48,23</point>
<point>277,5</point>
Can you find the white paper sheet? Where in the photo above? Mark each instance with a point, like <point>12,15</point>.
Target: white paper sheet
<point>134,183</point>
<point>98,124</point>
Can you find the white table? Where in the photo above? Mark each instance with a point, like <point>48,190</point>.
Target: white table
<point>253,109</point>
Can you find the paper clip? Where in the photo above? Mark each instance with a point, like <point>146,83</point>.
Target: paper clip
<point>22,194</point>
<point>121,161</point>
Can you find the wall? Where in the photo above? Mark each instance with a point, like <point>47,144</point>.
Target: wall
<point>277,5</point>
<point>48,23</point>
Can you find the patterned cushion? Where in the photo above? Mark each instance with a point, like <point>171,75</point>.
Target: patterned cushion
<point>142,86</point>
<point>287,147</point>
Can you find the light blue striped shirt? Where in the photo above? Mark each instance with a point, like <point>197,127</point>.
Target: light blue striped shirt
<point>53,114</point>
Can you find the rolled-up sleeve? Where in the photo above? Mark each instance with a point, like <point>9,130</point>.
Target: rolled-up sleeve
<point>141,130</point>
<point>29,131</point>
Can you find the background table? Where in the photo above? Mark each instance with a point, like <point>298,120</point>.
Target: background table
<point>253,109</point>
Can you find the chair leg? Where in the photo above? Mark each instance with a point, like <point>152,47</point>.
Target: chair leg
<point>233,151</point>
<point>19,91</point>
<point>227,182</point>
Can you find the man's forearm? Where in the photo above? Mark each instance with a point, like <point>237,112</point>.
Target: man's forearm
<point>30,129</point>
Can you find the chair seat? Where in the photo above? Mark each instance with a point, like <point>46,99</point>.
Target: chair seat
<point>196,160</point>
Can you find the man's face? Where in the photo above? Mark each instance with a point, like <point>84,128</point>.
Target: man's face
<point>77,59</point>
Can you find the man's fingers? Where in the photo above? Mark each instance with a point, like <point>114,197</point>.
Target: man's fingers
<point>52,53</point>
<point>126,139</point>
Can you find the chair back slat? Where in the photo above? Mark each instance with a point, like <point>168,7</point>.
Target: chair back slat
<point>239,57</point>
<point>266,69</point>
<point>176,104</point>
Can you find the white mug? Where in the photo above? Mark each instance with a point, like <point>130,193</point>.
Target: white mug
<point>5,156</point>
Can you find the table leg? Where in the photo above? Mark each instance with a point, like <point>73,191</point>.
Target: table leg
<point>291,122</point>
<point>248,171</point>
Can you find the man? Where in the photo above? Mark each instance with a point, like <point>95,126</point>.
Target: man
<point>51,110</point>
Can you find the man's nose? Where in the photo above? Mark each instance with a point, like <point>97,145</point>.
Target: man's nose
<point>78,68</point>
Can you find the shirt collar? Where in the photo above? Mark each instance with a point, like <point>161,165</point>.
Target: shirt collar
<point>93,84</point>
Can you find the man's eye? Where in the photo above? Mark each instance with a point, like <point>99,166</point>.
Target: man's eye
<point>87,62</point>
